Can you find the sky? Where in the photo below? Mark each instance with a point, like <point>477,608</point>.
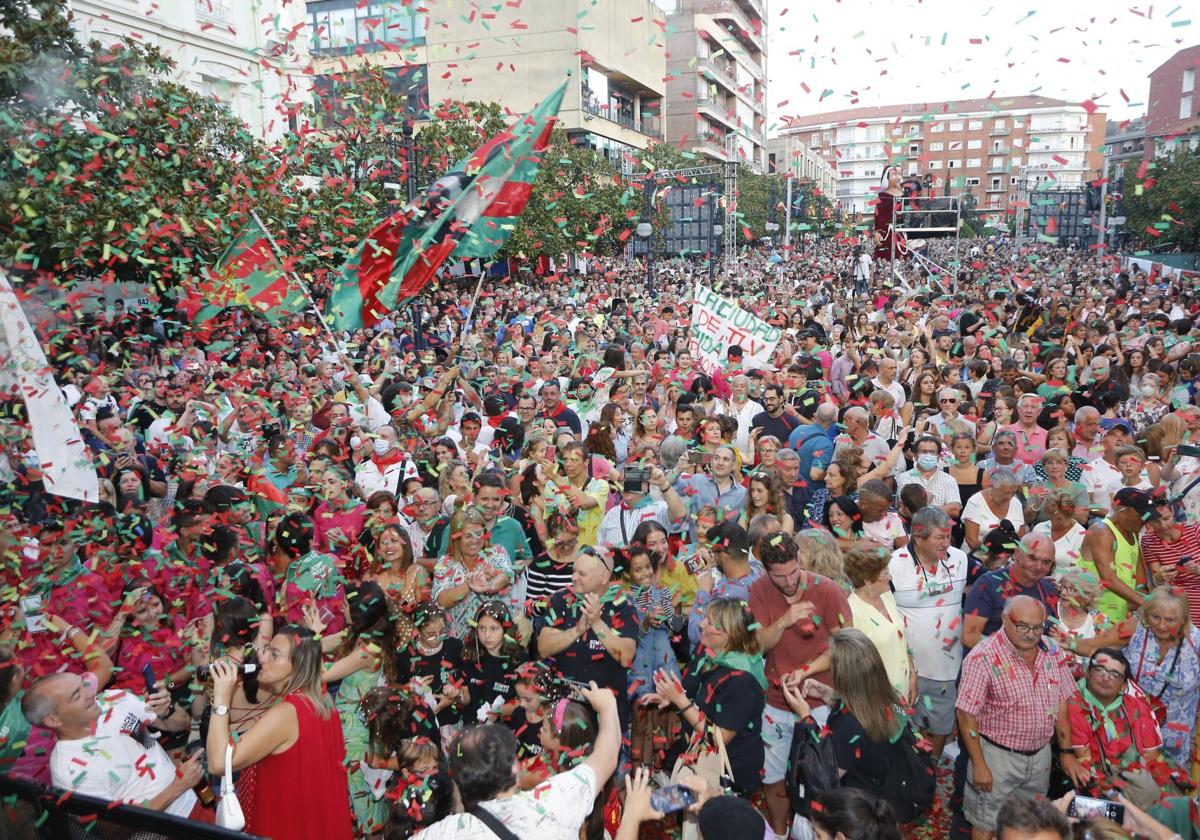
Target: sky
<point>888,53</point>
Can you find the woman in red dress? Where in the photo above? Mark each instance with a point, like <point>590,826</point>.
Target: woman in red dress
<point>296,748</point>
<point>885,216</point>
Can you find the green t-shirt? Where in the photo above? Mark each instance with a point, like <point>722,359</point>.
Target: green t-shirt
<point>14,733</point>
<point>1181,814</point>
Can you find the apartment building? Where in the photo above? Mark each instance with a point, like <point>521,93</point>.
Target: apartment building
<point>789,154</point>
<point>717,80</point>
<point>510,53</point>
<point>1173,108</point>
<point>979,146</point>
<point>247,55</point>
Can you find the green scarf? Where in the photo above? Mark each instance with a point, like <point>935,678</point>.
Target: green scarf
<point>1102,710</point>
<point>752,663</point>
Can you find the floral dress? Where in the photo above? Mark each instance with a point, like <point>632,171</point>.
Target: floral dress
<point>1176,682</point>
<point>449,573</point>
<point>370,813</point>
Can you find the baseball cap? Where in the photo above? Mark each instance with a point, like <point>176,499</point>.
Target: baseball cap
<point>1110,423</point>
<point>1139,500</point>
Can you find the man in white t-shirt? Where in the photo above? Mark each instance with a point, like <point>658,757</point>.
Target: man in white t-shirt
<point>484,765</point>
<point>106,743</point>
<point>929,578</point>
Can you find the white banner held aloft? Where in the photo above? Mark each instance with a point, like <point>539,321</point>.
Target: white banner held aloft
<point>718,323</point>
<point>63,457</point>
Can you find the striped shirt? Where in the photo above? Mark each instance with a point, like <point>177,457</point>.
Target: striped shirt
<point>1014,705</point>
<point>1168,556</point>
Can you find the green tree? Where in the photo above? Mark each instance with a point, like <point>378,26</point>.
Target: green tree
<point>1166,216</point>
<point>109,169</point>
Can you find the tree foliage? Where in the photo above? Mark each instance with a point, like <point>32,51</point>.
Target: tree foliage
<point>1166,216</point>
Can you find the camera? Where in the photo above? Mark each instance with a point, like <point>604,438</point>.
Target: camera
<point>635,479</point>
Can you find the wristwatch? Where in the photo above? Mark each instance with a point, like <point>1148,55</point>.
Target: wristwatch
<point>220,711</point>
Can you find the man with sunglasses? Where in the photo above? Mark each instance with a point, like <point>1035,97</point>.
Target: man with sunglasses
<point>1108,738</point>
<point>1012,688</point>
<point>949,422</point>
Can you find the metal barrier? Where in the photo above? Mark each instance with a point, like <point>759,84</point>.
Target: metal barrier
<point>33,811</point>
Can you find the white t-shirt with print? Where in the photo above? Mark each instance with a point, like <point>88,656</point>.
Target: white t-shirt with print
<point>113,764</point>
<point>554,810</point>
<point>932,608</point>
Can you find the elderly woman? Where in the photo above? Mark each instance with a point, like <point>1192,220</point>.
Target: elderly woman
<point>997,501</point>
<point>874,609</point>
<point>471,572</point>
<point>1148,406</point>
<point>1078,595</point>
<point>1062,526</point>
<point>1163,649</point>
<point>1055,464</point>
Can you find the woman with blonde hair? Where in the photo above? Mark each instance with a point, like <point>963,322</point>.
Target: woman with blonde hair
<point>1078,594</point>
<point>866,718</point>
<point>454,486</point>
<point>297,747</point>
<point>820,555</point>
<point>1062,526</point>
<point>471,572</point>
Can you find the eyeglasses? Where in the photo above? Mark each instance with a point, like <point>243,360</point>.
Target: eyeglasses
<point>1026,629</point>
<point>948,400</point>
<point>1108,672</point>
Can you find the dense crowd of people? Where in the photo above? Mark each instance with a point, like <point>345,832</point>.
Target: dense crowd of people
<point>539,570</point>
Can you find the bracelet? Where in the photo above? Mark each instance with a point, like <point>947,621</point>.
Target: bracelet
<point>688,706</point>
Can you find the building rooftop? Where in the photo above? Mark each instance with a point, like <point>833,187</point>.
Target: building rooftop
<point>921,109</point>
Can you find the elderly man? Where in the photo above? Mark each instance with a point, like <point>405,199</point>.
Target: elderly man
<point>1031,438</point>
<point>1102,384</point>
<point>948,422</point>
<point>588,635</point>
<point>796,491</point>
<point>1108,738</point>
<point>886,381</point>
<point>1102,473</point>
<point>941,489</point>
<point>929,578</point>
<point>1087,434</point>
<point>104,747</point>
<point>858,433</point>
<point>1010,694</point>
<point>1027,574</point>
<point>637,506</point>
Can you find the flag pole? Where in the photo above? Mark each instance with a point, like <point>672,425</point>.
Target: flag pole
<point>299,282</point>
<point>474,298</point>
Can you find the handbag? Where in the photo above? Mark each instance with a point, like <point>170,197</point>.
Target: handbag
<point>229,810</point>
<point>711,764</point>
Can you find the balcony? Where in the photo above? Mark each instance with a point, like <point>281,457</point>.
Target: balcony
<point>714,108</point>
<point>743,30</point>
<point>1000,132</point>
<point>711,143</point>
<point>650,126</point>
<point>1057,128</point>
<point>999,189</point>
<point>755,8</point>
<point>726,75</point>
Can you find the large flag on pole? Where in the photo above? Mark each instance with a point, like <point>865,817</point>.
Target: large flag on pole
<point>62,455</point>
<point>246,274</point>
<point>401,255</point>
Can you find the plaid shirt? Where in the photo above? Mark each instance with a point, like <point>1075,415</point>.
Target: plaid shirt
<point>1015,706</point>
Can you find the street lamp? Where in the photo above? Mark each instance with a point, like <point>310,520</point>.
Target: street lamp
<point>771,224</point>
<point>405,148</point>
<point>645,230</point>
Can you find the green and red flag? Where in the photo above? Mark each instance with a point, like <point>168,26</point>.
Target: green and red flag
<point>475,205</point>
<point>246,274</point>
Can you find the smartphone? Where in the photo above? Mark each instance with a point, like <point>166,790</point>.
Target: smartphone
<point>148,676</point>
<point>698,458</point>
<point>551,453</point>
<point>35,619</point>
<point>667,800</point>
<point>1083,807</point>
<point>1188,449</point>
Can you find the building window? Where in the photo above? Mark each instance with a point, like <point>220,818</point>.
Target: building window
<point>914,149</point>
<point>937,128</point>
<point>816,140</point>
<point>936,147</point>
<point>340,27</point>
<point>974,144</point>
<point>972,182</point>
<point>825,136</point>
<point>935,164</point>
<point>995,183</point>
<point>954,164</point>
<point>1189,80</point>
<point>956,125</point>
<point>974,163</point>
<point>1185,106</point>
<point>975,125</point>
<point>999,125</point>
<point>1012,182</point>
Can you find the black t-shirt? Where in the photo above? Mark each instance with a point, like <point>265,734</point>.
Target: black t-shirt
<point>441,668</point>
<point>529,744</point>
<point>781,426</point>
<point>733,700</point>
<point>487,679</point>
<point>586,659</point>
<point>145,413</point>
<point>866,762</point>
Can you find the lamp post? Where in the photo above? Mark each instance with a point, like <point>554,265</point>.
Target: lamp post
<point>645,230</point>
<point>772,226</point>
<point>716,229</point>
<point>406,150</point>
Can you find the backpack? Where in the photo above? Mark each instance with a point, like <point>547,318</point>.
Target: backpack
<point>910,785</point>
<point>812,767</point>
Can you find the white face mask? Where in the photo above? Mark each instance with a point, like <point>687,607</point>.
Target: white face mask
<point>382,446</point>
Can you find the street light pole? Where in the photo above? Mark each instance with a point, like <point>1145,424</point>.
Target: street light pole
<point>645,230</point>
<point>787,214</point>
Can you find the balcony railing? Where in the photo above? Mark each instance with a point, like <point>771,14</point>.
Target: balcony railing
<point>649,126</point>
<point>723,74</point>
<point>1000,132</point>
<point>732,12</point>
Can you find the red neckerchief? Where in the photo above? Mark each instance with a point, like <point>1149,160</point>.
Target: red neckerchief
<point>393,455</point>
